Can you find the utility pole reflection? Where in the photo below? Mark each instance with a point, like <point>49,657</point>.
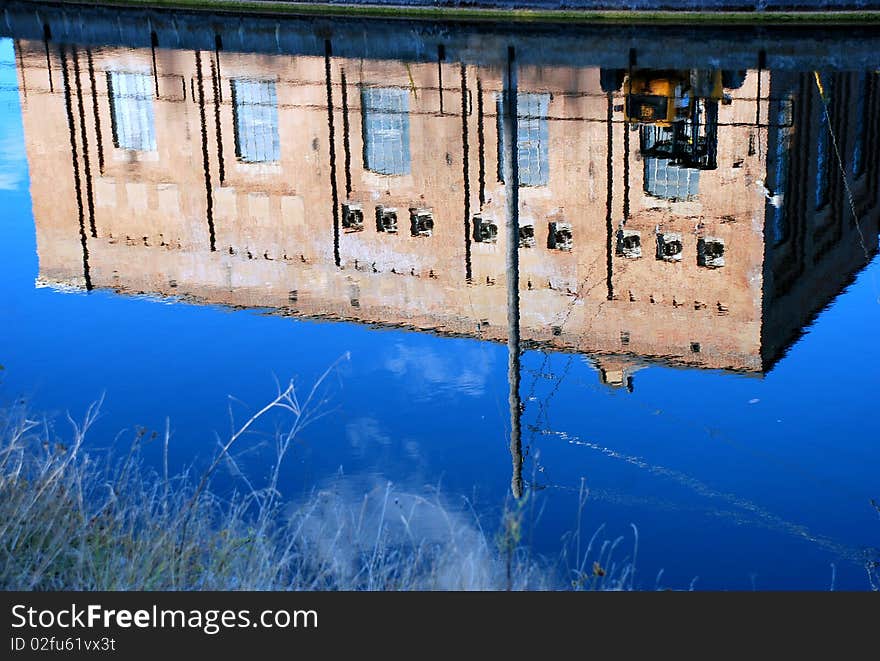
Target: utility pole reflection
<point>511,181</point>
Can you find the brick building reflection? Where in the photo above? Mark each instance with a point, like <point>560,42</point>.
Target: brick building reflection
<point>370,190</point>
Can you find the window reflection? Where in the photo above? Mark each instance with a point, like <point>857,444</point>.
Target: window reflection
<point>859,133</point>
<point>386,130</point>
<point>131,110</point>
<point>782,158</point>
<point>823,144</point>
<point>665,179</point>
<point>532,140</point>
<point>255,106</point>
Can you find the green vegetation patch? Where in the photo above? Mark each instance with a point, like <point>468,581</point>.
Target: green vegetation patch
<point>274,7</point>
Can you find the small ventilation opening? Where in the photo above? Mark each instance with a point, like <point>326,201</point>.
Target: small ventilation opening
<point>629,244</point>
<point>421,222</point>
<point>352,217</point>
<point>526,236</point>
<point>710,253</point>
<point>559,236</point>
<point>485,231</point>
<point>669,247</point>
<point>386,220</point>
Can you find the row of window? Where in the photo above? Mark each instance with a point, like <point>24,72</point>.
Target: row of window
<point>386,131</point>
<point>824,138</point>
<point>254,107</point>
<point>825,156</point>
<point>385,117</point>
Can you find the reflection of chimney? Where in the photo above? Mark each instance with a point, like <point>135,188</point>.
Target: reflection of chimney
<point>617,371</point>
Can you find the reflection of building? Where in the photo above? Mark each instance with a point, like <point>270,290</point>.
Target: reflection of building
<point>370,190</point>
<point>617,371</point>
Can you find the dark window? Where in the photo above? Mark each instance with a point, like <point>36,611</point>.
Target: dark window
<point>647,107</point>
<point>859,133</point>
<point>782,156</point>
<point>823,146</point>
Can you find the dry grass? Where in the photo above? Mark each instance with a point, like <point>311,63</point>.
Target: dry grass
<point>75,520</point>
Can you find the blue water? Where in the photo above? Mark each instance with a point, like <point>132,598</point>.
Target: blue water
<point>733,482</point>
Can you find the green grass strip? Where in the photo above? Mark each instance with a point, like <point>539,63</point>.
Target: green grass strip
<point>612,17</point>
